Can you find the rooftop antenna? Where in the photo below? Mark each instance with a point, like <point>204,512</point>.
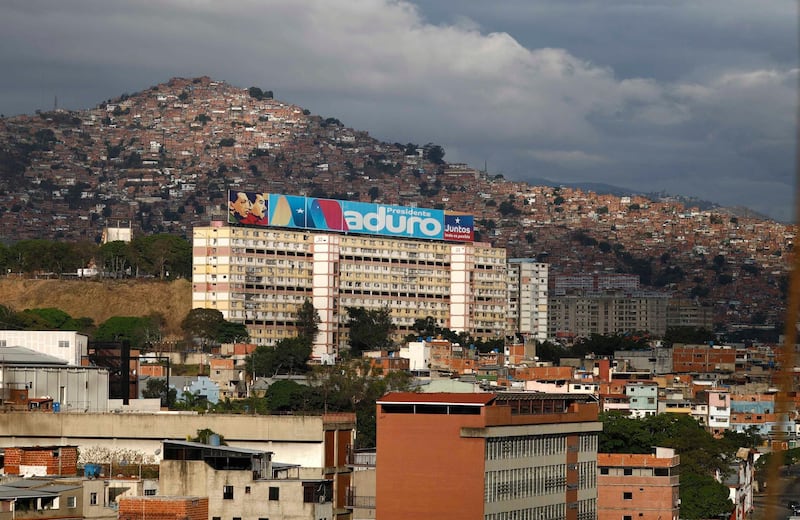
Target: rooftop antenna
<point>55,103</point>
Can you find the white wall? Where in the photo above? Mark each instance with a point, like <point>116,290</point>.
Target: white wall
<point>49,342</point>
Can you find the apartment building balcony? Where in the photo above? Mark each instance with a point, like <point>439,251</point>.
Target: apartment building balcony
<point>353,501</point>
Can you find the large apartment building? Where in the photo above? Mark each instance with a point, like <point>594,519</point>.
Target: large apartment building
<point>581,314</point>
<point>337,254</point>
<point>527,298</point>
<point>487,456</point>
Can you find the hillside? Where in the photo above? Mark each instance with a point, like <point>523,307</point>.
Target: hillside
<point>102,300</point>
<point>163,159</point>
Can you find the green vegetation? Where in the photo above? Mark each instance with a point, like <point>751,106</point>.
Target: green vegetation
<point>598,344</point>
<point>139,331</point>
<point>370,329</point>
<point>162,256</point>
<point>701,455</point>
<point>257,93</point>
<point>208,326</point>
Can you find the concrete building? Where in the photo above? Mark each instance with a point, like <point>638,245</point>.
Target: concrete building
<point>645,487</point>
<point>486,456</point>
<point>244,483</point>
<point>642,398</point>
<point>656,360</point>
<point>418,354</point>
<point>27,376</point>
<point>717,403</point>
<point>581,314</point>
<point>527,298</point>
<point>54,499</point>
<point>70,346</point>
<point>317,443</point>
<point>361,494</point>
<point>261,275</point>
<point>682,312</point>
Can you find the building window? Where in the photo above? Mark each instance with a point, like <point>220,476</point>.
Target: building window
<point>216,518</point>
<point>274,493</point>
<point>604,471</point>
<point>63,344</point>
<point>92,499</point>
<point>150,492</point>
<point>72,502</point>
<point>627,471</point>
<point>627,495</point>
<point>627,517</point>
<point>247,490</point>
<point>227,493</point>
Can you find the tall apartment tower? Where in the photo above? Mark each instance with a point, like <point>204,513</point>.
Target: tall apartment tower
<point>260,275</point>
<point>527,298</point>
<point>638,486</point>
<point>486,456</point>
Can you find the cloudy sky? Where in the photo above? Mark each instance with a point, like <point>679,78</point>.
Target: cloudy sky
<point>690,97</point>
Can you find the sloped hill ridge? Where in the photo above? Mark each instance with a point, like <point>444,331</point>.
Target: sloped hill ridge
<point>164,158</point>
<point>100,300</point>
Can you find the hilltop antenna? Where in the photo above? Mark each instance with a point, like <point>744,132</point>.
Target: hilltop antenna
<point>55,103</point>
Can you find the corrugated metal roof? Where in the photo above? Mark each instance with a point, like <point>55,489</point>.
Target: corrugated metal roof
<point>229,449</point>
<point>26,356</point>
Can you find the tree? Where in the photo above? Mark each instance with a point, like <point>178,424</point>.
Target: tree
<point>307,322</point>
<point>355,386</point>
<point>701,454</point>
<point>9,319</point>
<point>286,396</point>
<point>434,153</point>
<point>115,258</point>
<point>507,208</point>
<point>288,356</point>
<point>232,333</point>
<point>686,334</point>
<point>206,434</point>
<point>51,318</point>
<point>131,328</point>
<point>703,497</point>
<point>163,255</point>
<point>203,324</point>
<point>426,327</point>
<point>369,329</point>
<point>156,388</point>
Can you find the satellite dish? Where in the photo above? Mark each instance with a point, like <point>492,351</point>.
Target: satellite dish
<point>157,452</point>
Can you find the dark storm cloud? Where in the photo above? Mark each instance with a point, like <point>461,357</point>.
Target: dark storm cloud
<point>694,98</point>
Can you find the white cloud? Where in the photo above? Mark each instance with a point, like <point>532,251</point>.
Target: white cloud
<point>381,66</point>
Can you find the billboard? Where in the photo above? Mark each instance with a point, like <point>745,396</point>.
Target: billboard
<point>291,211</point>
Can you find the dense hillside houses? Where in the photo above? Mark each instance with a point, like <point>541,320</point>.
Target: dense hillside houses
<point>164,158</point>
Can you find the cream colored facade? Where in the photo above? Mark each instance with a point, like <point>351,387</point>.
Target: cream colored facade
<point>527,298</point>
<point>260,277</point>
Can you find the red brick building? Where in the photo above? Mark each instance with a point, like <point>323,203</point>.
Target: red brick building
<point>703,358</point>
<point>42,461</point>
<point>163,508</point>
<point>637,486</point>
